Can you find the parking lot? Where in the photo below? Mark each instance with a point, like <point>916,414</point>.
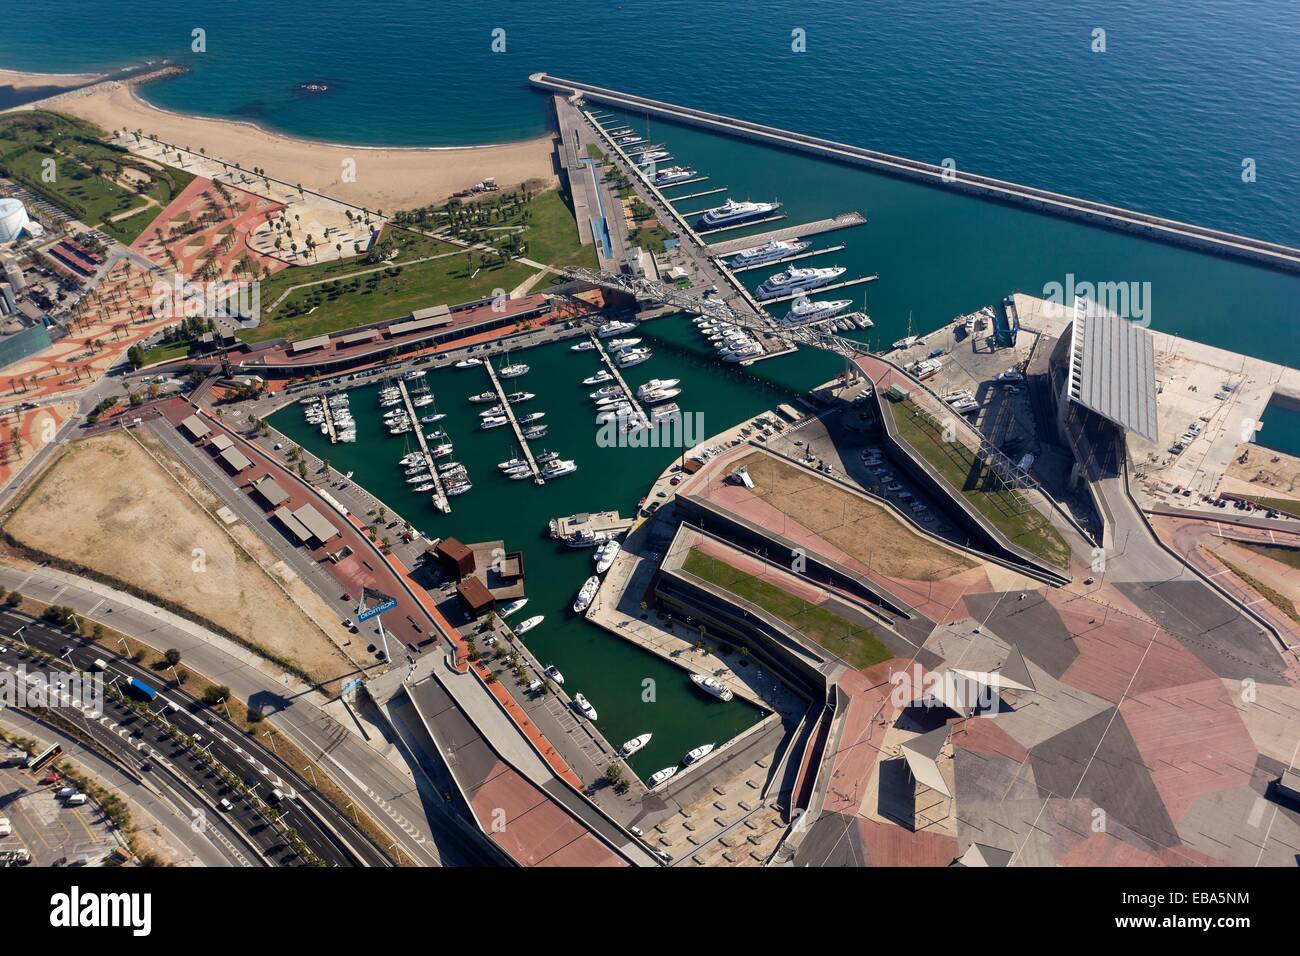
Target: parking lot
<point>50,831</point>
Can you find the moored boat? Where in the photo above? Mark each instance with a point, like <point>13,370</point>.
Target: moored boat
<point>711,686</point>
<point>633,745</point>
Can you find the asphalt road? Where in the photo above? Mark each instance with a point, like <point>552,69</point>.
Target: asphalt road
<point>301,807</point>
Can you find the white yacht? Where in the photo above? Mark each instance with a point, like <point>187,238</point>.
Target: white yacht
<point>805,310</point>
<point>586,345</point>
<point>659,383</point>
<point>649,156</point>
<point>584,707</point>
<point>508,609</point>
<point>657,395</point>
<point>529,624</point>
<point>769,251</point>
<point>632,357</point>
<point>484,397</point>
<point>469,363</point>
<point>582,538</point>
<point>537,431</point>
<point>441,451</point>
<point>633,745</point>
<point>795,279</point>
<point>732,212</point>
<point>699,753</point>
<point>585,596</point>
<point>606,554</point>
<point>608,391</point>
<point>623,343</point>
<point>553,673</point>
<point>711,686</point>
<point>513,371</point>
<point>514,398</point>
<point>493,421</point>
<point>614,328</point>
<point>673,174</point>
<point>659,776</point>
<point>557,468</point>
<point>512,464</point>
<point>602,376</point>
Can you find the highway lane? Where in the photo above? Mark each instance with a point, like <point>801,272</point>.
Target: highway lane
<point>409,810</point>
<point>261,770</point>
<point>142,751</point>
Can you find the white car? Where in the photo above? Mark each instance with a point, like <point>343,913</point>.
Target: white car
<point>5,827</point>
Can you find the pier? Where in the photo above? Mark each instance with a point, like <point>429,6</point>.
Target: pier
<point>596,522</point>
<point>805,293</point>
<point>440,499</point>
<point>648,162</point>
<point>845,220</point>
<point>509,412</point>
<point>329,419</point>
<point>795,258</point>
<point>684,182</point>
<point>707,192</point>
<point>622,382</point>
<point>1216,241</point>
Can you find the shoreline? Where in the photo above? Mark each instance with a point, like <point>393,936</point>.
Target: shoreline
<point>372,176</point>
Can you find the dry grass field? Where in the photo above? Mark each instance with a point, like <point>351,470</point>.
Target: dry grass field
<point>107,506</point>
<point>861,528</point>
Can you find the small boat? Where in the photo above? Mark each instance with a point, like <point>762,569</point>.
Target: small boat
<point>427,486</point>
<point>659,776</point>
<point>484,397</point>
<point>492,412</point>
<point>438,434</point>
<point>529,624</point>
<point>512,464</point>
<point>656,395</point>
<point>553,673</point>
<point>537,431</point>
<point>459,489</point>
<point>602,376</point>
<point>585,596</point>
<point>655,383</point>
<point>442,451</point>
<point>469,363</point>
<point>508,609</point>
<point>584,707</point>
<point>614,328</point>
<point>513,371</point>
<point>411,375</point>
<point>632,357</point>
<point>711,686</point>
<point>623,343</point>
<point>514,398</point>
<point>633,745</point>
<point>519,474</point>
<point>584,346</point>
<point>430,419</point>
<point>583,538</point>
<point>606,554</point>
<point>418,479</point>
<point>495,421</point>
<point>699,753</point>
<point>608,391</point>
<point>450,466</point>
<point>422,401</point>
<point>532,417</point>
<point>546,456</point>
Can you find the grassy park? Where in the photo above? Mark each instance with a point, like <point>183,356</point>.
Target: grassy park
<point>852,643</point>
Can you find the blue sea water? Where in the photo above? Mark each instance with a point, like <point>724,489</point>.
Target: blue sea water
<point>1161,121</point>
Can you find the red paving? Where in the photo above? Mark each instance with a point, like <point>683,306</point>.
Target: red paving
<point>526,824</point>
<point>227,234</point>
<point>1189,757</point>
<point>24,428</point>
<point>886,844</point>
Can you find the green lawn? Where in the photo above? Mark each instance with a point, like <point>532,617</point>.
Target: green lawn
<point>852,643</point>
<point>86,167</point>
<point>391,294</point>
<point>552,234</point>
<point>1006,510</point>
<point>161,353</point>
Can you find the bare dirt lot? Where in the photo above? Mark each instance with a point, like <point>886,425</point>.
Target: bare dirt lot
<point>867,531</point>
<point>105,505</point>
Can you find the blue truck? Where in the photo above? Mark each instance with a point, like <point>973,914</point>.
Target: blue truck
<point>141,689</point>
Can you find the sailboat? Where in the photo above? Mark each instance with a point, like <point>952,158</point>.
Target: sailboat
<point>910,339</point>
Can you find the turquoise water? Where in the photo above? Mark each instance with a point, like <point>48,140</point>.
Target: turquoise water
<point>1159,122</point>
<point>1281,431</point>
<point>607,669</point>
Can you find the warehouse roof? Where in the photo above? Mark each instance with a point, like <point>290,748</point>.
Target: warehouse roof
<point>1112,368</point>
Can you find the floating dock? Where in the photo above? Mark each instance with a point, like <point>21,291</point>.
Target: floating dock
<point>795,258</point>
<point>622,382</point>
<point>514,423</point>
<point>331,430</point>
<point>596,522</point>
<point>739,225</point>
<point>805,293</point>
<point>440,499</point>
<point>845,220</point>
<point>707,192</point>
<point>683,182</point>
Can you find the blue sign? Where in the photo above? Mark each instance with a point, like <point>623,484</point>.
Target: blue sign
<point>351,685</point>
<point>377,610</point>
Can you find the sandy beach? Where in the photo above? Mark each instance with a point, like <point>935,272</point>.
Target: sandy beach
<point>27,81</point>
<point>387,179</point>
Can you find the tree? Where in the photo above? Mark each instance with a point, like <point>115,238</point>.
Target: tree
<point>215,694</point>
<point>172,656</point>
